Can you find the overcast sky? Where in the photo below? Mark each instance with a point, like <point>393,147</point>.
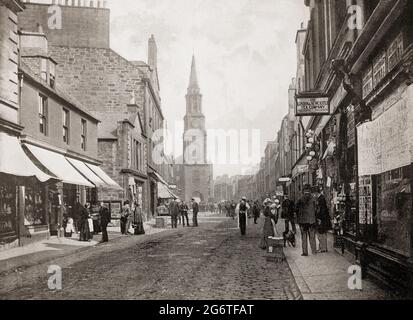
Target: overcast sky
<point>244,49</point>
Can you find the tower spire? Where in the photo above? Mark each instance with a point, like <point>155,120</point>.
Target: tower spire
<point>193,80</point>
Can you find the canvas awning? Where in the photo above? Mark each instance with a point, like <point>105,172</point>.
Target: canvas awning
<point>57,164</point>
<point>330,150</point>
<point>86,172</point>
<point>14,161</point>
<point>102,175</point>
<point>164,192</point>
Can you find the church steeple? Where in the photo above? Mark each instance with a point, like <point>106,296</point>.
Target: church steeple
<point>193,79</point>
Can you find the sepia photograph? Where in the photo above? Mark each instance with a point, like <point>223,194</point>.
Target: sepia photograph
<point>206,155</point>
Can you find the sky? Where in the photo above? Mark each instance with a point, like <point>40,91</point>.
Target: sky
<point>245,55</point>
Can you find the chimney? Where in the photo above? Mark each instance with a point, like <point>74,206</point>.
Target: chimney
<point>152,53</point>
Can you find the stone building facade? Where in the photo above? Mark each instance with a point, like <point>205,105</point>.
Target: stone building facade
<point>124,94</point>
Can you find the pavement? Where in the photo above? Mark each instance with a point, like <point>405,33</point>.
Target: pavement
<point>325,276</point>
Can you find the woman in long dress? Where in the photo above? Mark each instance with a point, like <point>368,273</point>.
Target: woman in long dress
<point>84,223</point>
<point>138,220</point>
<point>269,224</point>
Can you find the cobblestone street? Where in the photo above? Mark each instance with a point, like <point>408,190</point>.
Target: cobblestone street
<point>209,262</point>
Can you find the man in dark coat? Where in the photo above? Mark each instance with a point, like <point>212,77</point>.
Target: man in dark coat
<point>287,213</point>
<point>174,210</point>
<point>256,211</point>
<point>104,221</point>
<point>323,221</point>
<point>195,211</point>
<point>242,210</point>
<point>307,221</point>
<point>183,208</point>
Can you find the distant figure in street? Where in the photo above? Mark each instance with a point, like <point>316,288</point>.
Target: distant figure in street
<point>195,211</point>
<point>138,220</point>
<point>270,223</point>
<point>104,221</point>
<point>174,210</point>
<point>183,209</point>
<point>242,210</point>
<point>307,221</point>
<point>124,218</point>
<point>256,211</point>
<point>233,206</point>
<point>323,221</point>
<point>287,214</point>
<point>84,230</point>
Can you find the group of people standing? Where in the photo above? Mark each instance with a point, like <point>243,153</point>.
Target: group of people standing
<point>310,212</point>
<point>179,213</point>
<point>131,217</point>
<point>83,224</point>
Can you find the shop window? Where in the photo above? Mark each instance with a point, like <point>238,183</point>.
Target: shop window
<point>7,209</point>
<point>43,114</point>
<point>394,198</point>
<point>34,206</point>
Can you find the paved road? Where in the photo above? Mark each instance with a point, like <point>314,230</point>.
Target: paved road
<point>209,262</point>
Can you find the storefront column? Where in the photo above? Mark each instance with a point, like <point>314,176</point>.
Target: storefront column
<point>20,213</point>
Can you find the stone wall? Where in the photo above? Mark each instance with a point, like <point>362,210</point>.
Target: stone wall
<point>81,26</point>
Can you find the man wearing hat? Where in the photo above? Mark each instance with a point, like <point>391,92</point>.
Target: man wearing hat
<point>307,220</point>
<point>242,209</point>
<point>195,211</point>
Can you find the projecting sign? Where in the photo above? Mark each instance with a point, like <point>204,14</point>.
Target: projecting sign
<point>312,105</point>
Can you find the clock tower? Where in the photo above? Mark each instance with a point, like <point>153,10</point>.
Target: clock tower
<point>197,174</point>
<point>195,135</point>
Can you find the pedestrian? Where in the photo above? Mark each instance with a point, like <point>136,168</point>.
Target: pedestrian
<point>174,210</point>
<point>323,221</point>
<point>287,214</point>
<point>183,209</point>
<point>307,220</point>
<point>138,220</point>
<point>233,206</point>
<point>195,211</point>
<point>242,210</point>
<point>84,229</point>
<point>69,226</point>
<point>270,222</point>
<point>90,220</point>
<point>124,218</point>
<point>256,211</point>
<point>104,221</point>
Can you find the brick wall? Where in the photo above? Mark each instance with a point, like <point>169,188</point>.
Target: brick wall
<point>81,26</point>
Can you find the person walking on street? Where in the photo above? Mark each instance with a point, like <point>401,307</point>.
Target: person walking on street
<point>183,208</point>
<point>174,210</point>
<point>256,211</point>
<point>138,220</point>
<point>287,214</point>
<point>307,221</point>
<point>104,221</point>
<point>270,222</point>
<point>233,206</point>
<point>323,221</point>
<point>242,211</point>
<point>124,218</point>
<point>84,230</point>
<point>195,211</point>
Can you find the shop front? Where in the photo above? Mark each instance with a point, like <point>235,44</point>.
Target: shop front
<point>385,146</point>
<point>22,193</point>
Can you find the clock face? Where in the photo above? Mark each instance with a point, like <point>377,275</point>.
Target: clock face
<point>196,123</point>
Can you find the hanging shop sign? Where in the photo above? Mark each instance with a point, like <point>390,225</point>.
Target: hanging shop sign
<point>312,104</point>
